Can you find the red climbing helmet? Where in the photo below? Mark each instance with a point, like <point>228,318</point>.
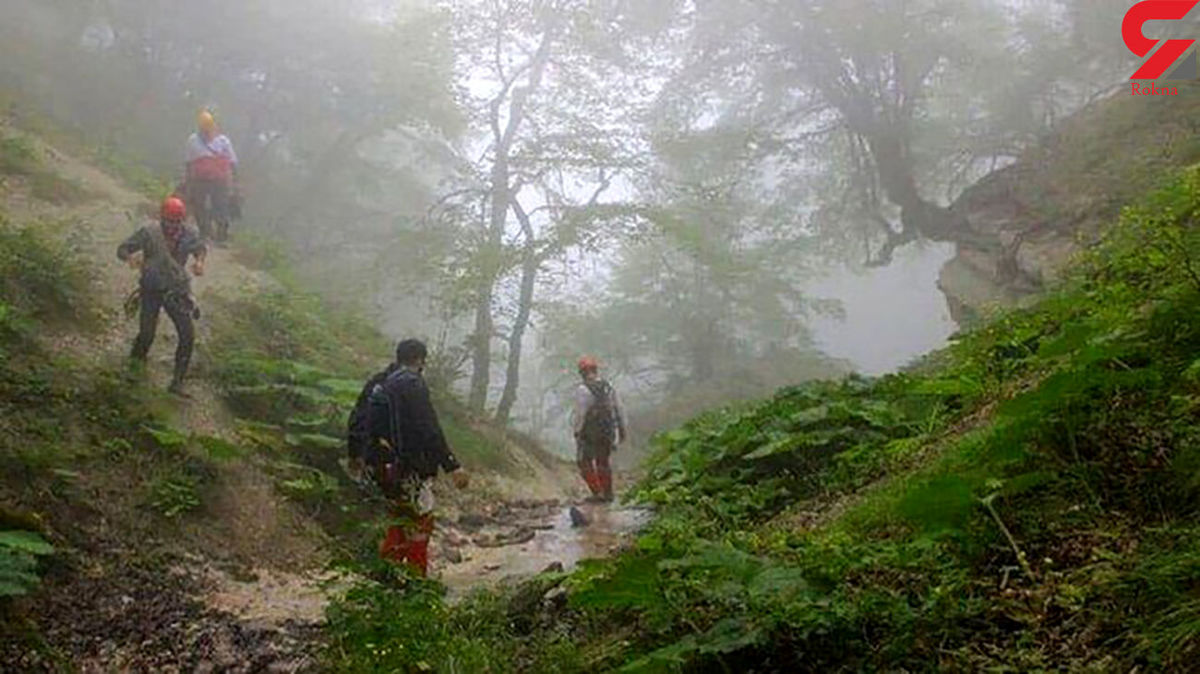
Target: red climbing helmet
<point>173,210</point>
<point>588,364</point>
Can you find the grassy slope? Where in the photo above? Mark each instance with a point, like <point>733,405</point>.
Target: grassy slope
<point>1025,501</point>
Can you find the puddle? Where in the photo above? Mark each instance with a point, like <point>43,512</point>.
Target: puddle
<point>554,540</point>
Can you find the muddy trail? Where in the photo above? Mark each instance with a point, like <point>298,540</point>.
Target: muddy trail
<point>245,590</point>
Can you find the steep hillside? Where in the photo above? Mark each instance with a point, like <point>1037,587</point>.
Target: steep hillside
<point>1063,191</point>
<point>184,533</point>
<point>1025,501</point>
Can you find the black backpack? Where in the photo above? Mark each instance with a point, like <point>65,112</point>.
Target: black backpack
<point>358,435</point>
<point>600,422</point>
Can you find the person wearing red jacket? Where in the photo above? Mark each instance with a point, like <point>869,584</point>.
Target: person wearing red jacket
<point>210,175</point>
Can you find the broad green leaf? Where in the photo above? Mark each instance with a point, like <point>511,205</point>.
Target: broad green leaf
<point>167,438</point>
<point>26,541</point>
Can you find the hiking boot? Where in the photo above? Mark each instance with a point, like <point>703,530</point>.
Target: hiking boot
<point>176,388</point>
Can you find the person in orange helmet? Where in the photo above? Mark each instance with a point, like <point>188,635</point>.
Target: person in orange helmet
<point>161,252</point>
<point>210,176</point>
<point>598,422</point>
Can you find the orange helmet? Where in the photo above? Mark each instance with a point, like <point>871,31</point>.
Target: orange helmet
<point>173,210</point>
<point>206,121</point>
<point>588,364</point>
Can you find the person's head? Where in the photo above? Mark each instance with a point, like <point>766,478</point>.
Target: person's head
<point>171,215</point>
<point>588,367</point>
<point>206,123</point>
<point>411,353</point>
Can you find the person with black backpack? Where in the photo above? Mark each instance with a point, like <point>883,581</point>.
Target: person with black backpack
<point>358,434</point>
<point>598,422</point>
<point>405,449</point>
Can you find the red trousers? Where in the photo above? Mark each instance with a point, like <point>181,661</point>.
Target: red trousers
<point>408,543</point>
<point>594,466</point>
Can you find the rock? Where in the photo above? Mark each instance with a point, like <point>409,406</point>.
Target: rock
<point>517,536</point>
<point>526,604</point>
<point>553,567</point>
<point>554,601</point>
<point>578,519</point>
<point>453,555</point>
<point>472,521</point>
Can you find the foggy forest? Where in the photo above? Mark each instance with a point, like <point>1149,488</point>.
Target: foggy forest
<point>599,335</point>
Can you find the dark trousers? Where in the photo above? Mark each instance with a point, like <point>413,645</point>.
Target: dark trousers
<point>593,461</point>
<point>178,308</point>
<point>209,201</point>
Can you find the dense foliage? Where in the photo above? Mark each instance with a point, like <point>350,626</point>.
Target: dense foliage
<point>1023,500</point>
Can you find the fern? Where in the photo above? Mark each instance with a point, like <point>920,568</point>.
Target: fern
<point>19,551</point>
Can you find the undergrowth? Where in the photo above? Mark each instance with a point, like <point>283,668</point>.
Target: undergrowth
<point>84,448</point>
<point>19,157</point>
<point>1027,503</point>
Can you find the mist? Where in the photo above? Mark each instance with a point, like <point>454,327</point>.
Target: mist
<point>715,199</point>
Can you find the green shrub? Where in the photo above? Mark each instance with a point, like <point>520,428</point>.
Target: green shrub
<point>19,551</point>
<point>175,495</point>
<point>18,156</point>
<point>41,276</point>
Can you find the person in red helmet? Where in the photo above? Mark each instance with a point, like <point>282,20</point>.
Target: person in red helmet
<point>598,422</point>
<point>161,252</point>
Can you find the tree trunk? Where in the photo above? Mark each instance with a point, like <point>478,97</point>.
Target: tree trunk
<point>481,351</point>
<point>491,258</point>
<point>512,378</point>
<point>529,270</point>
<point>481,358</point>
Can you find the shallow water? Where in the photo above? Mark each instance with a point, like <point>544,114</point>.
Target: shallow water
<point>555,540</point>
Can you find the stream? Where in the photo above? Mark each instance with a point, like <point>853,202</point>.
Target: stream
<point>522,538</point>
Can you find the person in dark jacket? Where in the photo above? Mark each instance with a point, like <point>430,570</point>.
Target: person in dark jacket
<point>358,434</point>
<point>407,449</point>
<point>162,251</point>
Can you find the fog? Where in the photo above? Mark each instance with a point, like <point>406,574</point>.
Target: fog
<point>714,198</point>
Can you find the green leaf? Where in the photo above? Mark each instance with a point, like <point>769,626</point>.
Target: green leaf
<point>26,541</point>
<point>219,448</point>
<point>783,445</point>
<point>313,440</point>
<point>941,503</point>
<point>167,438</point>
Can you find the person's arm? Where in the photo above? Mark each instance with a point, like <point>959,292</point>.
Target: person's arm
<point>195,247</point>
<point>379,421</point>
<point>227,148</point>
<point>426,426</point>
<point>619,410</point>
<point>135,243</point>
<point>583,400</point>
